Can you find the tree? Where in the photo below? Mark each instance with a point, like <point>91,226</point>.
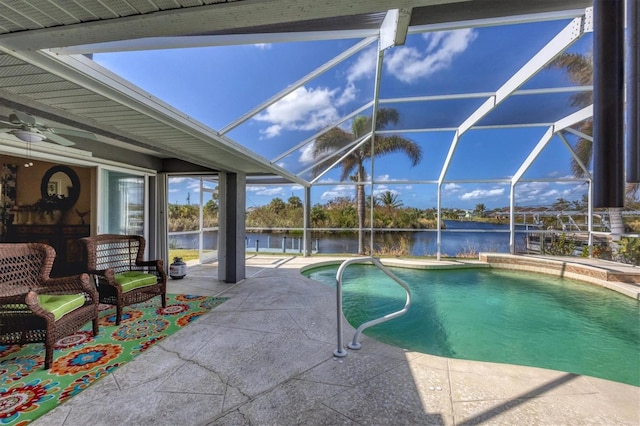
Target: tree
<point>353,164</point>
<point>561,204</point>
<point>390,200</point>
<point>480,209</point>
<point>579,69</point>
<point>295,202</point>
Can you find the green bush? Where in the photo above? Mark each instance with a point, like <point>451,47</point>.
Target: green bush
<point>629,251</point>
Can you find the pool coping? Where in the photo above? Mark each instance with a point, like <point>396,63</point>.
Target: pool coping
<point>624,279</point>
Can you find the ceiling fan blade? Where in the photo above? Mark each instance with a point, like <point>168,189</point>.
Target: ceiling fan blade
<point>58,139</point>
<point>72,132</point>
<point>18,117</point>
<point>8,123</point>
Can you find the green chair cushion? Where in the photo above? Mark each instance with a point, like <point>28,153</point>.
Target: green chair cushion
<point>60,304</point>
<point>135,279</point>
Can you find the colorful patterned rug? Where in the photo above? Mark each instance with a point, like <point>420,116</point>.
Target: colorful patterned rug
<point>27,391</point>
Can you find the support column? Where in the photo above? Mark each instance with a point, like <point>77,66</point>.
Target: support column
<point>608,105</point>
<point>231,227</point>
<point>633,91</point>
<point>306,236</point>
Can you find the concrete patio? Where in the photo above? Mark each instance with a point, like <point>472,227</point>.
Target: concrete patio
<point>265,357</point>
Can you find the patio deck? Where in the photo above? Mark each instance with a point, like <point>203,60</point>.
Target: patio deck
<point>265,357</point>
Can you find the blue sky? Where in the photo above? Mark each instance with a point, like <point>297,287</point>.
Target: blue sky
<point>216,85</point>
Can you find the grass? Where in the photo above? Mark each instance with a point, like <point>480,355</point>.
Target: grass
<point>185,254</point>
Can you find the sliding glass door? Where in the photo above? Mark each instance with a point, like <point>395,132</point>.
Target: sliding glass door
<point>123,203</point>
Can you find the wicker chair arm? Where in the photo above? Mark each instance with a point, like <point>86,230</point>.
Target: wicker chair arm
<point>70,284</point>
<point>31,300</point>
<point>155,266</point>
<point>157,263</point>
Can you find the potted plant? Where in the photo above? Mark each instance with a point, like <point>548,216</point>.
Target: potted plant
<point>49,208</point>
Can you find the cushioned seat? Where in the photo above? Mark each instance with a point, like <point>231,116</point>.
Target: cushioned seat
<point>121,275</point>
<point>60,305</point>
<point>134,279</point>
<point>36,308</point>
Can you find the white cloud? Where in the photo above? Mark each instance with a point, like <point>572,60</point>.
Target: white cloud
<point>348,95</point>
<point>383,178</point>
<point>266,190</point>
<point>552,193</point>
<point>262,46</point>
<point>302,109</point>
<point>306,154</point>
<point>409,64</point>
<point>452,188</point>
<point>364,66</point>
<point>482,193</point>
<point>338,191</point>
<point>383,189</point>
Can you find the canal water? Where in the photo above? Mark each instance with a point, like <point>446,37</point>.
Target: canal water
<point>458,238</point>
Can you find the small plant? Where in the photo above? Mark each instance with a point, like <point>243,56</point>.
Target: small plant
<point>177,259</point>
<point>48,204</point>
<point>629,250</point>
<point>561,246</point>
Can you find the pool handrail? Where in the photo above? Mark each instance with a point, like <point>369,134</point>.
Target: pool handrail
<point>354,344</point>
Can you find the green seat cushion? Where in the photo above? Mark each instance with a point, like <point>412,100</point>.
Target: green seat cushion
<point>60,304</point>
<point>135,279</point>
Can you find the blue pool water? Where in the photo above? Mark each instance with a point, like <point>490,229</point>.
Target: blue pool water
<point>499,316</point>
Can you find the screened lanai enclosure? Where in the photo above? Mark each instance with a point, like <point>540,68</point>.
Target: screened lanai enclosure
<point>478,142</point>
<point>405,128</point>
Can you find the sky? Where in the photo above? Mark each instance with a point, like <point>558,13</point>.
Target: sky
<point>217,85</point>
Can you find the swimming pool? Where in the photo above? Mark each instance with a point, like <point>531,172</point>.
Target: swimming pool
<point>499,316</point>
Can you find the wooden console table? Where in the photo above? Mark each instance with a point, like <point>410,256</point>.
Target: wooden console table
<point>63,238</point>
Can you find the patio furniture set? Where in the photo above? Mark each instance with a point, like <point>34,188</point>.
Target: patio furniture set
<point>37,308</point>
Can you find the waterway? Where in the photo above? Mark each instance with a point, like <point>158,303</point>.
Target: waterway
<point>458,238</point>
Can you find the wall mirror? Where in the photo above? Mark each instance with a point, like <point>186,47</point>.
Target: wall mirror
<point>61,183</point>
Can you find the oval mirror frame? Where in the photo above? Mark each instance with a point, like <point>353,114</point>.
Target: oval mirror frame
<point>74,189</point>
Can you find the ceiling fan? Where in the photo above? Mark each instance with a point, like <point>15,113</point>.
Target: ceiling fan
<point>26,128</point>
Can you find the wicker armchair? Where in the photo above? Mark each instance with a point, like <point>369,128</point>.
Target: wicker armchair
<point>121,274</point>
<point>36,308</point>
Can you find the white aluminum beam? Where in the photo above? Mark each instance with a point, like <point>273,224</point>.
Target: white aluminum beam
<point>357,143</point>
<point>559,43</point>
<point>219,17</point>
<point>542,143</point>
<point>565,38</point>
<point>499,20</point>
<point>321,132</point>
<point>574,155</point>
<point>561,124</point>
<point>184,42</point>
<point>313,74</point>
<point>579,133</point>
<point>393,31</point>
<point>86,73</point>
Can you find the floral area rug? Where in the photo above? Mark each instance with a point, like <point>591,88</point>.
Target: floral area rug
<point>27,391</point>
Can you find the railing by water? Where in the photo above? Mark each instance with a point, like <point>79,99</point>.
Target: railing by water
<point>354,344</point>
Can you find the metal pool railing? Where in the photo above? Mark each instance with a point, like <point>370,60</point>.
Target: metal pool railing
<point>354,344</point>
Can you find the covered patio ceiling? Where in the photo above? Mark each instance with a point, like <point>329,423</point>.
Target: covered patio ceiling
<point>43,71</point>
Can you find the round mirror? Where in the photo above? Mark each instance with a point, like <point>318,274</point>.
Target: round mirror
<point>62,185</point>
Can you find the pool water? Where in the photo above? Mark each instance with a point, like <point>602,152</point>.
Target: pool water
<point>498,316</point>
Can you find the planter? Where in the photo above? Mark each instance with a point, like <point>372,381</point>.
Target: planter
<point>177,269</point>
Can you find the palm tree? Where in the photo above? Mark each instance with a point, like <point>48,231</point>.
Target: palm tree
<point>353,164</point>
<point>390,200</point>
<point>579,69</point>
<point>480,209</point>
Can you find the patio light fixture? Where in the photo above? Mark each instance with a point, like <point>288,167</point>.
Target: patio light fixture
<point>28,136</point>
